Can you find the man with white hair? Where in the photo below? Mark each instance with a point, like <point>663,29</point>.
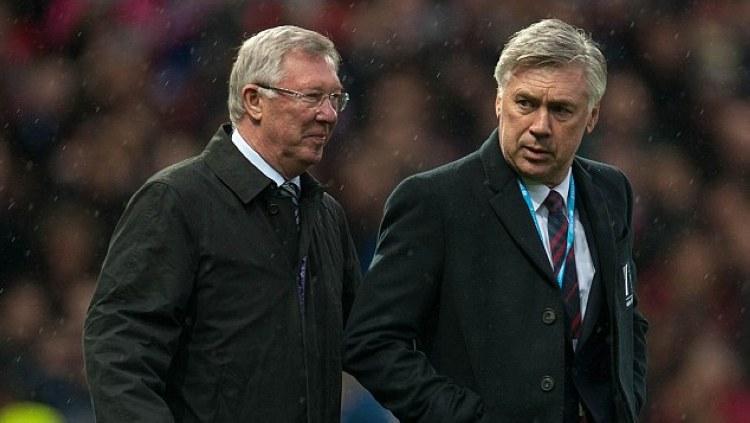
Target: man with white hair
<point>502,286</point>
<point>230,275</point>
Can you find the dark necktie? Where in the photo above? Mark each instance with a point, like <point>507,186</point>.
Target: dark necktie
<point>291,191</point>
<point>557,227</point>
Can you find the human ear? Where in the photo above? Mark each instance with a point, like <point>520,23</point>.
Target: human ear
<point>251,101</point>
<point>593,119</point>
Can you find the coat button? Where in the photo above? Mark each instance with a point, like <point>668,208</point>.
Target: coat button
<point>273,209</point>
<point>548,316</point>
<point>548,383</point>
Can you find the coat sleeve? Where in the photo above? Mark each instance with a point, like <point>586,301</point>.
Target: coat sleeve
<point>640,324</point>
<point>137,311</point>
<point>394,306</point>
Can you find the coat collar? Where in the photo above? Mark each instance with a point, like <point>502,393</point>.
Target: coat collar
<point>244,179</point>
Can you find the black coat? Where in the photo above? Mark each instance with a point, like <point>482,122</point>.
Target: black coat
<point>196,316</point>
<point>459,317</point>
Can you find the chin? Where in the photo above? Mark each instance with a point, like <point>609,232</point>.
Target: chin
<point>536,173</point>
<point>312,160</point>
<point>538,178</point>
<point>317,154</point>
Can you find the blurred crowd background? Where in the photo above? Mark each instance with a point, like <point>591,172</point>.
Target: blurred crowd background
<point>96,95</point>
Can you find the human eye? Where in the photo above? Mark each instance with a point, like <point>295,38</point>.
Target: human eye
<point>313,97</point>
<point>562,111</point>
<point>524,104</point>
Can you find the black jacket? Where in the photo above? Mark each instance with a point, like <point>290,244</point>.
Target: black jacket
<point>196,316</point>
<point>459,317</point>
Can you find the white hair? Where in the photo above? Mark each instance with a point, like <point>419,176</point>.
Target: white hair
<point>260,57</point>
<point>552,42</point>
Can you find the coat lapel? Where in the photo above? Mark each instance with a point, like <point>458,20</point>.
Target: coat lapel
<point>508,204</point>
<point>600,237</point>
<point>595,293</point>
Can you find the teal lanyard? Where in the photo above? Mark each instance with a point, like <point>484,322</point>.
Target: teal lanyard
<point>571,222</point>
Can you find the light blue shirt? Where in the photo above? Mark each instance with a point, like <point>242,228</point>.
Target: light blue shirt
<point>259,162</point>
<point>584,263</point>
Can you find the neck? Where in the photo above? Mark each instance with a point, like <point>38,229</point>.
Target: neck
<point>257,143</point>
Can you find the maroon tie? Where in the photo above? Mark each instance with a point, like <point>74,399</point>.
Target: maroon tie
<point>557,227</point>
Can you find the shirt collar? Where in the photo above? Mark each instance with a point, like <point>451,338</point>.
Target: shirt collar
<point>538,192</point>
<point>259,162</point>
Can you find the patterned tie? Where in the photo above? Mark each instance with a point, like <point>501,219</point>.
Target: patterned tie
<point>291,191</point>
<point>557,227</point>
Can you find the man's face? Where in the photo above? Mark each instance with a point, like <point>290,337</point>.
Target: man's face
<point>294,133</point>
<point>542,115</point>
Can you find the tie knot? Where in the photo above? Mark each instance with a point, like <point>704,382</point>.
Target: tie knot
<point>554,202</point>
<point>290,190</point>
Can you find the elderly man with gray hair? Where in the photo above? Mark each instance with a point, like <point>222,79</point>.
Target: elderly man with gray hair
<point>230,275</point>
<point>503,287</point>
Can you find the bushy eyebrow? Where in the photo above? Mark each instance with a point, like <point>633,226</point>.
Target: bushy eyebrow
<point>562,103</point>
<point>526,95</point>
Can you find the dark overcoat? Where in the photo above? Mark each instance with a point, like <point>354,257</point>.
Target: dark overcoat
<point>459,318</point>
<point>196,315</point>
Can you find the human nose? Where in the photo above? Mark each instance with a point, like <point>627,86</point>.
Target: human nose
<point>540,126</point>
<point>326,110</point>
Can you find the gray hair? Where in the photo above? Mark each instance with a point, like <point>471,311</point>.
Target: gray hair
<point>260,58</point>
<point>552,42</point>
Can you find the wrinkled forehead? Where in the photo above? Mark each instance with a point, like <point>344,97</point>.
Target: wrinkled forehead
<point>305,55</point>
<point>570,75</point>
<point>307,68</point>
